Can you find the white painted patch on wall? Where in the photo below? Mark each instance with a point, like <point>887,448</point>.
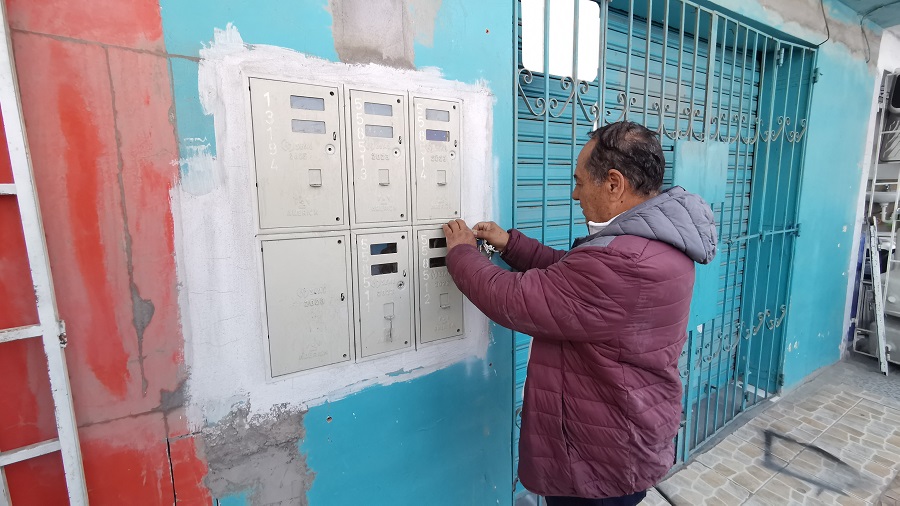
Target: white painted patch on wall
<point>217,256</point>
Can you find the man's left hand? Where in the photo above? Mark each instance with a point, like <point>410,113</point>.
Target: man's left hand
<point>457,232</point>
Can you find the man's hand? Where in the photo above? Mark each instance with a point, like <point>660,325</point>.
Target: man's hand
<point>457,232</point>
<point>492,233</point>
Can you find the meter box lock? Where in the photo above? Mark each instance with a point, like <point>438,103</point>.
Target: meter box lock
<point>440,302</point>
<point>299,162</point>
<point>379,157</point>
<point>308,308</point>
<point>437,158</point>
<point>383,282</point>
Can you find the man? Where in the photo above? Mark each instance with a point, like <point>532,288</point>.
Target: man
<point>603,396</point>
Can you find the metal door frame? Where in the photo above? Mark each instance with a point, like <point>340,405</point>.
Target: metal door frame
<point>700,114</point>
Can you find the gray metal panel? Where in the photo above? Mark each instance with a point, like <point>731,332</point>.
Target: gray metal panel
<point>299,172</point>
<point>383,301</point>
<point>440,303</point>
<point>380,158</point>
<point>307,301</point>
<point>437,158</point>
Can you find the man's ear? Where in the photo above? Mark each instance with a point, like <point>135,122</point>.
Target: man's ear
<point>615,183</point>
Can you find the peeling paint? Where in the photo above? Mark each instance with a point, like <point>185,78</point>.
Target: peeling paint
<point>373,31</point>
<point>141,309</point>
<point>401,372</point>
<point>424,14</point>
<point>258,456</point>
<point>803,19</point>
<point>382,31</point>
<point>199,174</point>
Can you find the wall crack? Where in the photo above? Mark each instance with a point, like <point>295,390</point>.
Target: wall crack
<point>142,309</point>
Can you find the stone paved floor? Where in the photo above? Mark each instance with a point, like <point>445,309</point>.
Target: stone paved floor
<point>834,440</point>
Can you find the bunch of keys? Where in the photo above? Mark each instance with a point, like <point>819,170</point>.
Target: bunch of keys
<point>486,248</point>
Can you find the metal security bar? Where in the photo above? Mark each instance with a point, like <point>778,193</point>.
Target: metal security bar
<point>693,75</point>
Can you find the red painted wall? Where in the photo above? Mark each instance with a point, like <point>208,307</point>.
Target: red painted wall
<point>98,107</point>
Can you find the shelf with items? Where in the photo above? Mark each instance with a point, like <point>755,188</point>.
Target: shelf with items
<point>877,294</point>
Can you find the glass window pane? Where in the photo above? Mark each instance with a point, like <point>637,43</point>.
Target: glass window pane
<point>437,115</point>
<point>378,109</point>
<point>307,103</point>
<point>437,135</point>
<point>379,131</point>
<point>379,269</point>
<point>308,127</point>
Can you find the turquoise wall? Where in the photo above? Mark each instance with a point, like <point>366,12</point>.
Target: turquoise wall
<point>838,122</point>
<point>440,439</point>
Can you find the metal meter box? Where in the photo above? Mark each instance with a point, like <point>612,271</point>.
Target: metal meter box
<point>379,157</point>
<point>436,159</point>
<point>308,302</point>
<point>383,283</point>
<point>297,141</point>
<point>440,303</point>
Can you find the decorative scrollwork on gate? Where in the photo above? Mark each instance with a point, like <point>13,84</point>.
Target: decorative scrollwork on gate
<point>728,127</point>
<point>540,105</point>
<point>752,140</point>
<point>796,136</point>
<point>626,102</point>
<point>772,135</point>
<point>565,84</point>
<point>774,324</point>
<point>762,318</point>
<point>591,113</point>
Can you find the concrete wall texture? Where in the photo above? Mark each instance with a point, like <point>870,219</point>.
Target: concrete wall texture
<point>128,124</point>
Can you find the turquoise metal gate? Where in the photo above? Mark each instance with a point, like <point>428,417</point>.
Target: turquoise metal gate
<point>731,115</point>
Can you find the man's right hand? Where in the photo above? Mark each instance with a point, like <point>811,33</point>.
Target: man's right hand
<point>492,233</point>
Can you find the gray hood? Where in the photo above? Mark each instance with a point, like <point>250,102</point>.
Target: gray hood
<point>675,217</point>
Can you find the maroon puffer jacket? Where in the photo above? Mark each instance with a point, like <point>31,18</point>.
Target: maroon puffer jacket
<point>603,393</point>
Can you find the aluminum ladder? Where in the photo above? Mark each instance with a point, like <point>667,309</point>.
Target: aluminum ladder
<point>51,329</point>
<point>880,329</point>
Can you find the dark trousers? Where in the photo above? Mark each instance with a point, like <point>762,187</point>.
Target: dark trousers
<point>625,500</point>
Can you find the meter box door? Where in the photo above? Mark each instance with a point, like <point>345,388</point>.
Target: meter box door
<point>436,159</point>
<point>299,158</point>
<point>440,303</point>
<point>383,282</point>
<point>379,157</point>
<point>308,311</point>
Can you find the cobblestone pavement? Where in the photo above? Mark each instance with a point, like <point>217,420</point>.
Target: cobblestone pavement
<point>833,440</point>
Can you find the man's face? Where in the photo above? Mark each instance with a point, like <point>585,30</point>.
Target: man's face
<point>595,198</point>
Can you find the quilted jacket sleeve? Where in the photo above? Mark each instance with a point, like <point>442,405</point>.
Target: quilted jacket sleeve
<point>523,253</point>
<point>583,297</point>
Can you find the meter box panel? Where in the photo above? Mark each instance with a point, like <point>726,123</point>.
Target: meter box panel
<point>440,303</point>
<point>436,159</point>
<point>299,162</point>
<point>383,292</point>
<point>379,157</point>
<point>308,308</point>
